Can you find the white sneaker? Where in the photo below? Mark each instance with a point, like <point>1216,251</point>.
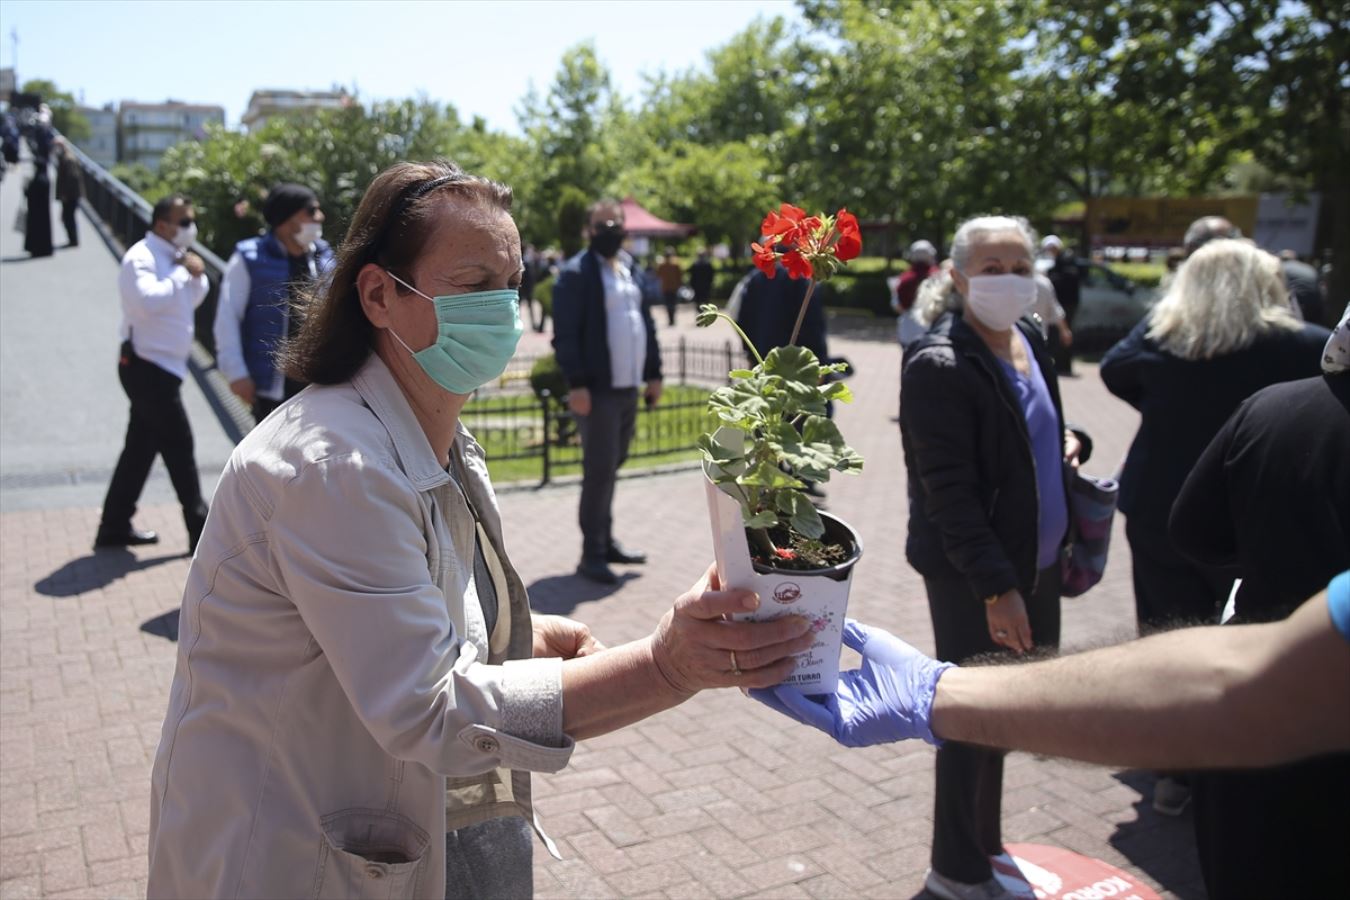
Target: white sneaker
<point>1011,876</point>
<point>945,888</point>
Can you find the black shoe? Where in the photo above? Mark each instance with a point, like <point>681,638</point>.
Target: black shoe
<point>618,554</point>
<point>596,570</point>
<point>129,538</point>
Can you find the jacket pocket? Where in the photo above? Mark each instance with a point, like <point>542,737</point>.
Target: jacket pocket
<point>367,854</point>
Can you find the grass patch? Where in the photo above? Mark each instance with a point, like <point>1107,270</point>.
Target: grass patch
<point>511,429</point>
<point>1147,274</point>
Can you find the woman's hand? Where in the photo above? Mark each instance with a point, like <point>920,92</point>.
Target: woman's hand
<point>559,636</point>
<point>696,646</point>
<point>1008,625</point>
<point>1073,447</point>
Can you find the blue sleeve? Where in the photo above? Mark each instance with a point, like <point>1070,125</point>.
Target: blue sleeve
<point>1338,600</point>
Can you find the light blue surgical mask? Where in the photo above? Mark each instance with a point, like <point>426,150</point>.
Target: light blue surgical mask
<point>476,337</point>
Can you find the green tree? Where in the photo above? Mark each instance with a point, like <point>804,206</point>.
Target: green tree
<point>572,206</point>
<point>1286,67</point>
<point>724,189</point>
<point>913,116</point>
<point>751,87</point>
<point>66,116</point>
<point>575,129</point>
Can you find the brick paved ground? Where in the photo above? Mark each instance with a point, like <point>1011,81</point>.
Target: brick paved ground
<point>718,798</point>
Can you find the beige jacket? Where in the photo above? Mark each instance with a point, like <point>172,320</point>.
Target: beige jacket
<point>337,701</point>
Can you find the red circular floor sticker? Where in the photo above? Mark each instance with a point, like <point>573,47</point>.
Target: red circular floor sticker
<point>1053,873</point>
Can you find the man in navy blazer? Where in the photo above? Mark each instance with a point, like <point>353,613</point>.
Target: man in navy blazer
<point>605,342</point>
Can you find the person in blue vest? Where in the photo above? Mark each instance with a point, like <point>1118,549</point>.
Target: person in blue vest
<point>264,279</point>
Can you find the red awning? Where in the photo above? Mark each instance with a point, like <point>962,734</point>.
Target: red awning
<point>640,223</point>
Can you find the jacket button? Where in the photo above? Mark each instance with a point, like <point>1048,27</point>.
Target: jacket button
<point>374,871</point>
<point>485,744</point>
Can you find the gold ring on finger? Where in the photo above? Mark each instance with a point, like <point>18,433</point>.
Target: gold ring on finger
<point>735,666</point>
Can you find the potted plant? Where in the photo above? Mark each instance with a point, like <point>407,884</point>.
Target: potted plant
<point>774,433</point>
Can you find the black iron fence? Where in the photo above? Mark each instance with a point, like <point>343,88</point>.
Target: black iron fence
<point>526,436</point>
<point>684,362</point>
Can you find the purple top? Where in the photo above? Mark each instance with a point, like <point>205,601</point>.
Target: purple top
<point>1047,450</point>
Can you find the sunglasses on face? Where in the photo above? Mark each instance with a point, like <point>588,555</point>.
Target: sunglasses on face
<point>313,209</point>
<point>186,222</point>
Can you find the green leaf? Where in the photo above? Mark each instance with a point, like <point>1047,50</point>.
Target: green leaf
<point>802,516</point>
<point>765,518</point>
<point>716,450</point>
<point>767,475</point>
<point>795,365</point>
<point>808,460</point>
<point>740,403</point>
<point>707,315</point>
<point>741,373</point>
<point>838,391</point>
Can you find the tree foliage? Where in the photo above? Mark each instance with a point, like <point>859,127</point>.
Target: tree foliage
<point>914,112</point>
<point>66,116</point>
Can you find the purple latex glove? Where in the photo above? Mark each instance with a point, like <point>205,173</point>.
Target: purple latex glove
<point>889,699</point>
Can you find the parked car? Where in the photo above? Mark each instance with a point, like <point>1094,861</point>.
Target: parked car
<point>1110,306</point>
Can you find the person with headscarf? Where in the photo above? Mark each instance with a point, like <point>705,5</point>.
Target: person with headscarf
<point>37,238</point>
<point>1269,502</point>
<point>257,311</point>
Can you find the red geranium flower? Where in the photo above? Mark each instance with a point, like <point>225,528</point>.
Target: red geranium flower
<point>765,259</point>
<point>849,244</point>
<point>783,223</point>
<point>798,266</point>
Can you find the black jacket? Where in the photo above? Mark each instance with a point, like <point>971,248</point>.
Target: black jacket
<point>973,504</point>
<point>580,333</point>
<point>1184,403</point>
<point>1270,497</point>
<point>769,310</point>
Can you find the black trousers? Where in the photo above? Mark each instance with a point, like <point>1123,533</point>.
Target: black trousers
<point>158,426</point>
<point>606,434</point>
<point>1170,590</point>
<point>671,299</point>
<point>68,208</point>
<point>968,806</point>
<point>1280,832</point>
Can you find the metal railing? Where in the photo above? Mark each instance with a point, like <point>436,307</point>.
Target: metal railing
<point>541,428</point>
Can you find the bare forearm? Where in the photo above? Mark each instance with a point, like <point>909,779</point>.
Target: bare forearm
<point>607,691</point>
<point>1199,698</point>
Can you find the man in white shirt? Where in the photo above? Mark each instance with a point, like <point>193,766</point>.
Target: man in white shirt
<point>263,281</point>
<point>161,283</point>
<point>606,346</point>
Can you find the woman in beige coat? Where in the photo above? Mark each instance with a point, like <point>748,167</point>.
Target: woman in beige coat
<point>361,691</point>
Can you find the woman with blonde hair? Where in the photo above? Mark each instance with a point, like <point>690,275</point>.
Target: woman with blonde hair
<point>1224,330</point>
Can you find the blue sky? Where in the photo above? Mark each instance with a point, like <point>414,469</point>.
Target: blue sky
<point>479,56</point>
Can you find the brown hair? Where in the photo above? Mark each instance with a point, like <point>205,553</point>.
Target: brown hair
<point>390,228</point>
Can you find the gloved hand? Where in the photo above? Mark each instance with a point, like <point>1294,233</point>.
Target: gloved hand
<point>889,699</point>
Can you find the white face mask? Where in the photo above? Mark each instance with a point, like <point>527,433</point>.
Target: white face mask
<point>309,233</point>
<point>185,237</point>
<point>1000,300</point>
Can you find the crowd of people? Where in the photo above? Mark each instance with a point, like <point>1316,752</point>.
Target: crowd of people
<point>350,586</point>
